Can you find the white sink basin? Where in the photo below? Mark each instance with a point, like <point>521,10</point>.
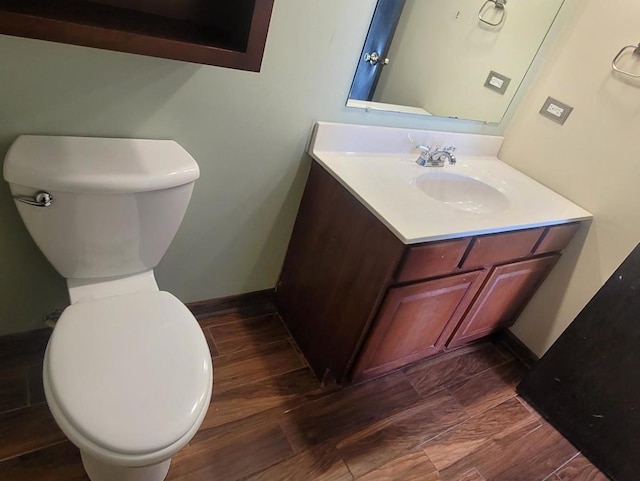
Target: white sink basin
<point>462,192</point>
<point>478,195</point>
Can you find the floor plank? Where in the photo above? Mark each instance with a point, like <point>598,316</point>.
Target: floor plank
<point>492,448</point>
<point>213,349</point>
<point>341,413</point>
<point>489,388</point>
<point>13,388</point>
<point>36,389</point>
<point>235,315</point>
<point>472,475</point>
<point>580,469</point>
<point>23,349</point>
<point>232,452</point>
<point>389,438</point>
<point>551,451</point>
<point>55,463</point>
<point>27,429</point>
<point>284,391</point>
<point>320,464</point>
<point>255,364</point>
<point>534,456</point>
<point>462,440</point>
<point>433,375</point>
<point>237,336</point>
<point>410,467</point>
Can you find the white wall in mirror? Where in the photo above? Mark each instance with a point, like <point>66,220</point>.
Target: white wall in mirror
<point>441,56</point>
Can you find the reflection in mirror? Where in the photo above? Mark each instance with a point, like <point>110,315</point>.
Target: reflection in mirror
<point>450,58</point>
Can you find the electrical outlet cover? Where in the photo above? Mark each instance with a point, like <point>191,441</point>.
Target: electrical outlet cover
<point>555,110</point>
<point>497,82</point>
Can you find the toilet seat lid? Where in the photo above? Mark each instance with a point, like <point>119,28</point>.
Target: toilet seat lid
<point>132,373</point>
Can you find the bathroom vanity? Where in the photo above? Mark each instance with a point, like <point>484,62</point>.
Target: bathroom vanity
<point>385,268</point>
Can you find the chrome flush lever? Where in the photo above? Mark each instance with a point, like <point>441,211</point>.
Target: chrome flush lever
<point>39,199</point>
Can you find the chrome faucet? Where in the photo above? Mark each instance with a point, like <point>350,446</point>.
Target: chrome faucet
<point>437,157</point>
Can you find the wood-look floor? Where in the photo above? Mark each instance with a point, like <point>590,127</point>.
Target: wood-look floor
<point>454,418</point>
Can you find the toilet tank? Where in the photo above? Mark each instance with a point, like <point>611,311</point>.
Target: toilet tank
<point>117,203</point>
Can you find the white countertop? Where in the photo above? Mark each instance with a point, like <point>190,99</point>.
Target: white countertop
<point>377,165</point>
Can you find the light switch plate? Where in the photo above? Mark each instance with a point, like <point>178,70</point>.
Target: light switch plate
<point>497,82</point>
<point>555,110</point>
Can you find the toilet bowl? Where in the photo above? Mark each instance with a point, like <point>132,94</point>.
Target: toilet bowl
<point>127,371</point>
<point>128,380</point>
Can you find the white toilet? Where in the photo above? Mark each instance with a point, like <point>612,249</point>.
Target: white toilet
<point>127,371</point>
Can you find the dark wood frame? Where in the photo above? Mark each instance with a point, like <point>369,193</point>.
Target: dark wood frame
<point>44,27</point>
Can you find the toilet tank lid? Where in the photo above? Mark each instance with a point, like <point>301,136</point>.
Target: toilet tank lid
<point>101,165</point>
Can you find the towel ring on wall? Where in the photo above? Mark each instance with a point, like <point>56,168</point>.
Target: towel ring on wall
<point>500,5</point>
<point>614,64</point>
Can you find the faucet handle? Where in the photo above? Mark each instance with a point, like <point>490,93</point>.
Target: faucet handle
<point>425,154</point>
<point>450,150</point>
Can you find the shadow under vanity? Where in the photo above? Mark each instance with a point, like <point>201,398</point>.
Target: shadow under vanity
<point>362,300</point>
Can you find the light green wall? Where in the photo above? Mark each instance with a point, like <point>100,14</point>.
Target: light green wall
<point>248,132</point>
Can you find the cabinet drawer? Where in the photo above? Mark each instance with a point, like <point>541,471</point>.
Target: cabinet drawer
<point>557,237</point>
<point>497,248</point>
<point>430,260</point>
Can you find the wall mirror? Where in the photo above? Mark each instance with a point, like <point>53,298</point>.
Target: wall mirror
<point>449,58</point>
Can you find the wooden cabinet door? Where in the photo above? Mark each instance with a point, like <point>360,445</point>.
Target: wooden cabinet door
<point>506,292</point>
<point>415,321</point>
